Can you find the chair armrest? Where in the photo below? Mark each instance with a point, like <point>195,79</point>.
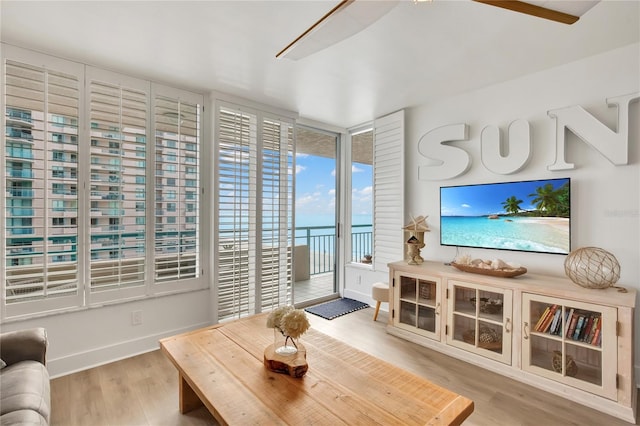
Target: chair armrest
<point>22,345</point>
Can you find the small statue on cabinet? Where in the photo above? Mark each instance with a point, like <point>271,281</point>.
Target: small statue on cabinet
<point>416,230</point>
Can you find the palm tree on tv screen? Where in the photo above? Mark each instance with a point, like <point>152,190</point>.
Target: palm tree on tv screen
<point>512,205</point>
<point>551,202</point>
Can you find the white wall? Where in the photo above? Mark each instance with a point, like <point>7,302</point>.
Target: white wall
<point>358,282</point>
<point>605,198</point>
<point>86,338</point>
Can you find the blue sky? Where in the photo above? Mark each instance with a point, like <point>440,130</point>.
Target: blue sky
<point>478,200</point>
<point>316,186</point>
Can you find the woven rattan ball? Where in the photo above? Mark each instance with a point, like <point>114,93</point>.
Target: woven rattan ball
<point>592,267</point>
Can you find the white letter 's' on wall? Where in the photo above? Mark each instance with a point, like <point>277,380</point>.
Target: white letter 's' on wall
<point>446,162</point>
<point>506,157</point>
<point>614,146</point>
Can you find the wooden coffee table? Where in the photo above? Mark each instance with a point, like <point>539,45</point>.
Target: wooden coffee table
<point>222,368</point>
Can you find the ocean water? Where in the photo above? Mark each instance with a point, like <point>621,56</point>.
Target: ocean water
<point>518,233</point>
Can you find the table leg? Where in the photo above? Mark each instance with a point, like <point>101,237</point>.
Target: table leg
<point>188,398</point>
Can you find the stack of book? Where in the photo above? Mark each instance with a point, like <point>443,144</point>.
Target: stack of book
<point>581,326</point>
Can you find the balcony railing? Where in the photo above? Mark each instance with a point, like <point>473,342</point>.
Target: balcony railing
<point>321,241</point>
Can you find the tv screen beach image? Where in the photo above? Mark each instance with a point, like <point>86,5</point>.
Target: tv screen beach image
<point>524,216</point>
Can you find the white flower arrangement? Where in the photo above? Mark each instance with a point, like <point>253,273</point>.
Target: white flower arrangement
<point>291,322</point>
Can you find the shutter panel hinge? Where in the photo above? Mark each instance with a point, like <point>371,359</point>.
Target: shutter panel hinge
<point>446,330</point>
<point>447,294</point>
<point>617,381</point>
<point>393,282</point>
<point>393,313</point>
<point>618,326</point>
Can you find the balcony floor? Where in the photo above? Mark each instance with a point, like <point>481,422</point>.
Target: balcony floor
<point>318,287</point>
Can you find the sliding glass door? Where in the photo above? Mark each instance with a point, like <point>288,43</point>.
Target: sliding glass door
<point>316,207</point>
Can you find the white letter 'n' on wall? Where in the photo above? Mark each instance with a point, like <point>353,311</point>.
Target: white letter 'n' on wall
<point>614,146</point>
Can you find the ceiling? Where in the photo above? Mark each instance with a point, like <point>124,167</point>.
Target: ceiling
<point>413,55</point>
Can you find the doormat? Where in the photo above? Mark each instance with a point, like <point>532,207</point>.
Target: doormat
<point>336,308</point>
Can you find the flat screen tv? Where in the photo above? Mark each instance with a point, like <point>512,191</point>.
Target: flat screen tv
<point>531,216</point>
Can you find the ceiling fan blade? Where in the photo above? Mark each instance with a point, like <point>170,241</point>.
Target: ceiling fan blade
<point>344,20</point>
<point>327,15</point>
<point>532,9</point>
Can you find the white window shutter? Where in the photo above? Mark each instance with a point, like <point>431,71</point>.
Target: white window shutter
<point>101,176</point>
<point>388,184</point>
<point>41,110</point>
<point>253,263</point>
<point>177,122</point>
<point>119,121</point>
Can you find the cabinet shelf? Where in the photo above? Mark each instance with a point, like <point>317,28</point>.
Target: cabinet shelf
<point>431,303</point>
<point>566,341</point>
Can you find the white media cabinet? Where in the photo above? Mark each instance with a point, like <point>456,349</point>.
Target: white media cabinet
<point>495,323</point>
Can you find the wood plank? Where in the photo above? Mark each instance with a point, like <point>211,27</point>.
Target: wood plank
<point>189,400</point>
<point>327,354</point>
<point>280,394</point>
<point>365,391</point>
<point>223,396</point>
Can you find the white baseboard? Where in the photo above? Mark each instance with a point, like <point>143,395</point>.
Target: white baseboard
<point>103,355</point>
<point>365,298</point>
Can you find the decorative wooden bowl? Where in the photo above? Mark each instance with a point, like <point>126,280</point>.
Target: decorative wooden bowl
<point>505,273</point>
<point>294,365</point>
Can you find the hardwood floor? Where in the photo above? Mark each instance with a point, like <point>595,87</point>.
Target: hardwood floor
<point>143,390</point>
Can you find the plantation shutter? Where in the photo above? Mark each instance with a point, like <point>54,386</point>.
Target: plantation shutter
<point>255,190</point>
<point>277,213</point>
<point>41,112</point>
<point>118,111</point>
<point>177,186</point>
<point>237,175</point>
<point>388,177</point>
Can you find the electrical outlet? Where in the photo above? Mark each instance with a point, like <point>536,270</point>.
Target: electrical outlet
<point>136,317</point>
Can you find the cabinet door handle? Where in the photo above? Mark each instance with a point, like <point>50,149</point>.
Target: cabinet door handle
<point>526,331</point>
<point>507,326</point>
<point>438,309</point>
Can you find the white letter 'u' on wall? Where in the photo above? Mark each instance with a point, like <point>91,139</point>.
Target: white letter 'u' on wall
<point>614,146</point>
<point>506,157</point>
<point>446,162</point>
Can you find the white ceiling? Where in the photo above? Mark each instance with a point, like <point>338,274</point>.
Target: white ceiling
<point>413,55</point>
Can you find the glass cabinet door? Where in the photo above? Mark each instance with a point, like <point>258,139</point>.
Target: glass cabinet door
<point>480,320</point>
<point>570,342</point>
<point>418,308</point>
